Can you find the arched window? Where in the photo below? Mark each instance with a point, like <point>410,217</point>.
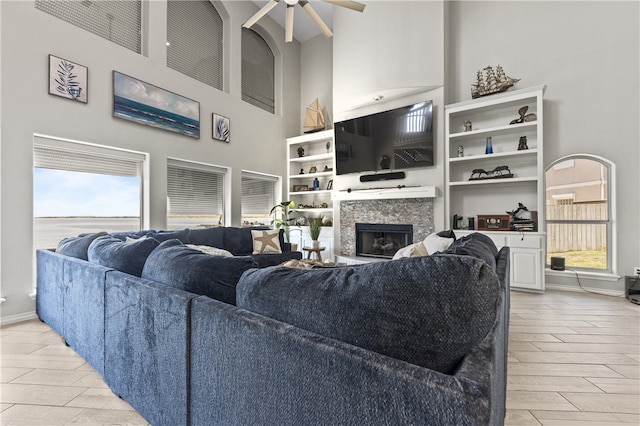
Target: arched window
<point>580,216</point>
<point>194,41</point>
<point>258,71</point>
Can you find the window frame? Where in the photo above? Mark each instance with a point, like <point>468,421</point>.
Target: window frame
<point>610,222</point>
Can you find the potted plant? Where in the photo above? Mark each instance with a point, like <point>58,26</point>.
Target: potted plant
<point>284,220</point>
<point>315,225</point>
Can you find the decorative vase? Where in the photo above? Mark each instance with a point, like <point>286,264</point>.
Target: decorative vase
<point>315,244</point>
<point>316,184</point>
<point>488,148</point>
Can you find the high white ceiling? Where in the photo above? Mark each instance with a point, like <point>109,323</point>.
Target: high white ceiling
<point>303,27</point>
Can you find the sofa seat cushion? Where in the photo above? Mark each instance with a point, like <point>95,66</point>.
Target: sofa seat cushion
<point>429,311</point>
<point>78,247</point>
<point>176,265</point>
<point>477,245</point>
<point>124,256</point>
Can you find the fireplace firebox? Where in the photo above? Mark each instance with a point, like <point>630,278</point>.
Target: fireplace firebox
<point>382,240</point>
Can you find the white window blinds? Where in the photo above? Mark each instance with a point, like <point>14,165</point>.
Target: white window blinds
<point>258,193</point>
<point>195,41</point>
<point>258,71</point>
<point>75,157</point>
<point>116,21</point>
<point>194,189</point>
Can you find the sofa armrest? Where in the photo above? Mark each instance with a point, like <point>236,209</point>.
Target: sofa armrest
<point>275,373</point>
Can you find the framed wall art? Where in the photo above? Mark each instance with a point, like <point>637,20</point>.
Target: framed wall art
<point>144,103</point>
<point>221,128</point>
<point>68,79</point>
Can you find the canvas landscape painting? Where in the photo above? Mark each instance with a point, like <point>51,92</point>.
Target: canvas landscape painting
<point>145,103</point>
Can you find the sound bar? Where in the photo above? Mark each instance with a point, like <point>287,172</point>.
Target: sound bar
<point>382,176</point>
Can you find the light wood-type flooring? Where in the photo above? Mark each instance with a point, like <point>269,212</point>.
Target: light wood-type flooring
<point>574,359</point>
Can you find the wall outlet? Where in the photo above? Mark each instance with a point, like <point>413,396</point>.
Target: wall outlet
<point>636,271</point>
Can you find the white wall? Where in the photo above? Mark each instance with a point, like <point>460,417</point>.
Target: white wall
<point>316,74</point>
<point>587,53</point>
<point>28,36</point>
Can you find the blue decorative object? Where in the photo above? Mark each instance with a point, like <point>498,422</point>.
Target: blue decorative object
<point>316,184</point>
<point>488,149</point>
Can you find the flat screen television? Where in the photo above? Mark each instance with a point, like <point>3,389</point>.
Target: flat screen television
<point>398,139</point>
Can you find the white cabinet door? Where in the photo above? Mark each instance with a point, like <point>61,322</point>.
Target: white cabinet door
<point>526,272</point>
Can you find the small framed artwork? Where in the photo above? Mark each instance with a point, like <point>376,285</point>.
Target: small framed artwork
<point>330,185</point>
<point>221,128</point>
<point>300,188</point>
<point>68,79</point>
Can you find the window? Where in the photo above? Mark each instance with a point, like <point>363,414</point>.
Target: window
<point>79,188</point>
<point>194,41</point>
<point>195,194</point>
<point>116,21</point>
<point>258,197</point>
<point>258,71</point>
<point>579,212</point>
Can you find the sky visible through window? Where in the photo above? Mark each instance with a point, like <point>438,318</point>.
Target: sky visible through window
<point>61,193</point>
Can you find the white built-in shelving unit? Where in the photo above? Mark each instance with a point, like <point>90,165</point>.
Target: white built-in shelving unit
<point>490,117</point>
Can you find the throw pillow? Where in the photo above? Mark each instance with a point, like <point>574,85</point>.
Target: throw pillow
<point>266,241</point>
<point>435,243</point>
<point>412,250</point>
<point>214,251</point>
<point>476,245</point>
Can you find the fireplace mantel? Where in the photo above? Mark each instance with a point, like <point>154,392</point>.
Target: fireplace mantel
<point>384,193</point>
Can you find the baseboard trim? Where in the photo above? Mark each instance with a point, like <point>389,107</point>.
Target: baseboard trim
<point>12,319</point>
<point>576,289</point>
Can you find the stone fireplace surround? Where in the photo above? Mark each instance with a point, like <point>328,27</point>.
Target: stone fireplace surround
<point>415,211</point>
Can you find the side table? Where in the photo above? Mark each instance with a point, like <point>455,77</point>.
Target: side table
<point>315,250</point>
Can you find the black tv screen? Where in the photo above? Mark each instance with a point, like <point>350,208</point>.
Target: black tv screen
<point>397,139</point>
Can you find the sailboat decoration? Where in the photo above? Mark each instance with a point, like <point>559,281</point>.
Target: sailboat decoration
<point>493,82</point>
<point>314,117</point>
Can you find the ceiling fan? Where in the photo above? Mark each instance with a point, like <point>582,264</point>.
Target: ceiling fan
<point>306,6</point>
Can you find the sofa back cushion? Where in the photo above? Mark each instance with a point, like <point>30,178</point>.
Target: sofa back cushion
<point>124,256</point>
<point>212,237</point>
<point>429,311</point>
<point>176,265</point>
<point>77,246</point>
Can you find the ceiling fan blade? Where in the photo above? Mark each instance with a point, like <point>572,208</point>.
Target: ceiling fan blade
<point>288,32</point>
<point>313,15</point>
<point>265,9</point>
<point>353,5</point>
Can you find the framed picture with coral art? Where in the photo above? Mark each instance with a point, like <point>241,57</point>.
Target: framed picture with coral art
<point>221,128</point>
<point>68,79</point>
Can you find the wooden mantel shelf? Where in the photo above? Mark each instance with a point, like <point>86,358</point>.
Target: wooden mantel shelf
<point>386,193</point>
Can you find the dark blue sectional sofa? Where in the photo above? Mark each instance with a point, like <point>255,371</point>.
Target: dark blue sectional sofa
<point>405,342</point>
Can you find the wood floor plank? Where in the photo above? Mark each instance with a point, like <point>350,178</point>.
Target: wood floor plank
<point>602,402</point>
<point>616,385</point>
<point>525,400</point>
<point>551,384</point>
<point>562,370</point>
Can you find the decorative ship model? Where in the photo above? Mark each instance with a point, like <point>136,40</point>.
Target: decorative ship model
<point>314,117</point>
<point>492,82</point>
